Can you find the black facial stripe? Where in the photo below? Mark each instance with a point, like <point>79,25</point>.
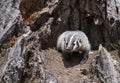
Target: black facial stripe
<point>80,40</point>
<point>73,44</point>
<point>77,43</point>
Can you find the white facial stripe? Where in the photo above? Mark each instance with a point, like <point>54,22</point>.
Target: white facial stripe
<point>70,42</point>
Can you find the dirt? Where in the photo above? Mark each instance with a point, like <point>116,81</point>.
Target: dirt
<point>68,71</point>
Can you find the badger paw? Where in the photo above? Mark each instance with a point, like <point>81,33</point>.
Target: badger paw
<point>85,58</point>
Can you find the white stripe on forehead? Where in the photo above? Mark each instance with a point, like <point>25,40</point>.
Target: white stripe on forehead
<point>70,41</point>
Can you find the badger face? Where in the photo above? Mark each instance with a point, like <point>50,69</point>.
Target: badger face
<point>72,43</point>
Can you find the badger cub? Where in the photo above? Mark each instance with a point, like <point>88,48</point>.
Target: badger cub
<point>74,41</point>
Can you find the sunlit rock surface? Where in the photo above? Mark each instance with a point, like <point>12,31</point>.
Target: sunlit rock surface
<point>9,10</point>
<point>113,9</point>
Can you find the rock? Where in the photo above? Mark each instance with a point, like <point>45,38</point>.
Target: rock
<point>105,68</point>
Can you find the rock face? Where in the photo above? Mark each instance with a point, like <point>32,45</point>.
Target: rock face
<point>14,64</point>
<point>106,67</point>
<point>9,12</point>
<point>28,28</point>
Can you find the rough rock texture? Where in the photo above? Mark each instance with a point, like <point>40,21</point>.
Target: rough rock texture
<point>113,10</point>
<point>106,68</point>
<point>28,28</point>
<point>9,12</point>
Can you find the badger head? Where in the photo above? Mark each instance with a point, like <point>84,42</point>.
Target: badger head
<point>72,43</point>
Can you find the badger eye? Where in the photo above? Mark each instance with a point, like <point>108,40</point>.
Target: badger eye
<point>73,43</point>
<point>66,43</point>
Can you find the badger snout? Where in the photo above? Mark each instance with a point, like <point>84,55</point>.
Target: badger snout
<point>71,49</point>
<point>68,49</point>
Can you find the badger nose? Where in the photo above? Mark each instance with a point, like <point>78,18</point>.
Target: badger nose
<point>67,49</point>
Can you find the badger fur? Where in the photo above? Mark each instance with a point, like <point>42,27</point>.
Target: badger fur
<point>74,41</point>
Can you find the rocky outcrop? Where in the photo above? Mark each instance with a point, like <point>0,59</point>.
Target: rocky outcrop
<point>105,67</point>
<point>28,28</point>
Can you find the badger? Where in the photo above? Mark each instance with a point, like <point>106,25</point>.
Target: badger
<point>74,41</point>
